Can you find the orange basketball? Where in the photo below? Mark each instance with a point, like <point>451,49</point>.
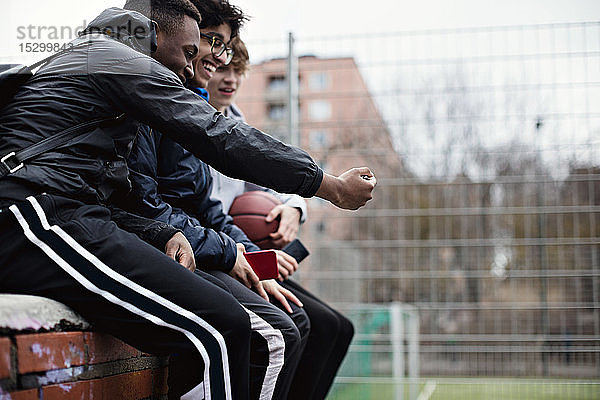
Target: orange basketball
<point>249,211</point>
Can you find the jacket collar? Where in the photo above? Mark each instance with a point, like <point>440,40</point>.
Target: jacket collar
<point>128,27</point>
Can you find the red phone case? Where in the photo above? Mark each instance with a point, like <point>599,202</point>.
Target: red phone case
<point>264,263</point>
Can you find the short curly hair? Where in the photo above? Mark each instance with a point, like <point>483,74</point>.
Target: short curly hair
<point>218,12</point>
<point>168,14</point>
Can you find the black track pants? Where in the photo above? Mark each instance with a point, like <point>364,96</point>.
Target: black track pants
<point>71,252</point>
<point>278,339</point>
<point>328,341</point>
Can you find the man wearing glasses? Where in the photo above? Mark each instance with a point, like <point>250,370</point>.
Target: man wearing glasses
<point>211,56</point>
<point>218,47</point>
<point>161,169</point>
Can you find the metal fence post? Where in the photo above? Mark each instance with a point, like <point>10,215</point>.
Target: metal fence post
<point>397,331</point>
<point>413,352</point>
<point>292,104</point>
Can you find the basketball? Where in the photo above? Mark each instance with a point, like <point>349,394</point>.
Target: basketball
<point>249,211</point>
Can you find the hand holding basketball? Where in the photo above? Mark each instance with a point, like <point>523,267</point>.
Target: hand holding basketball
<point>249,211</point>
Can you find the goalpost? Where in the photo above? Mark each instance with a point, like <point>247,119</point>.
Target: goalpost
<point>383,360</point>
<point>404,329</point>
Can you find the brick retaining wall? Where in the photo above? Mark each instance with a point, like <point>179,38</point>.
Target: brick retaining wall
<point>39,360</point>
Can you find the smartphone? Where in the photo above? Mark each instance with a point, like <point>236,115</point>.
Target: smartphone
<point>264,263</point>
<point>297,250</point>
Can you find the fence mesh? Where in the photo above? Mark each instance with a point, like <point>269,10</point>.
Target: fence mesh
<point>486,218</point>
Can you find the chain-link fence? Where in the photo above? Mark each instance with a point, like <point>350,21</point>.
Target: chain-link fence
<point>486,217</point>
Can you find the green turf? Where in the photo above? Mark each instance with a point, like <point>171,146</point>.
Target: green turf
<point>362,391</point>
<point>477,389</point>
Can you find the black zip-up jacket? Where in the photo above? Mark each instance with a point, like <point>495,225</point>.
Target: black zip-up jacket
<point>114,75</point>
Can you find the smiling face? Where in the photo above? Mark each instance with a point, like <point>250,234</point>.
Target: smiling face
<point>177,50</point>
<point>223,86</point>
<point>206,64</point>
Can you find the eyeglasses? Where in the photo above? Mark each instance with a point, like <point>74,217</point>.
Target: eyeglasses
<point>218,47</point>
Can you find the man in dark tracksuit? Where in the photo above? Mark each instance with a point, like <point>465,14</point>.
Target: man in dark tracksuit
<point>60,241</point>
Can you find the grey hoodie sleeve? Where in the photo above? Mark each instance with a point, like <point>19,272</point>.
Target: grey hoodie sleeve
<point>155,96</point>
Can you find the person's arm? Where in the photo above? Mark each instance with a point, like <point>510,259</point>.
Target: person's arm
<point>289,224</point>
<point>243,272</point>
<point>281,294</point>
<point>291,213</point>
<point>186,184</point>
<point>209,210</point>
<point>290,200</point>
<point>159,234</point>
<point>212,249</point>
<point>351,190</point>
<point>179,249</point>
<point>157,163</point>
<point>296,202</point>
<point>154,95</point>
<point>156,233</point>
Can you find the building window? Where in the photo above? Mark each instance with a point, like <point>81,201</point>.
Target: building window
<point>320,227</point>
<point>319,81</point>
<point>277,83</point>
<point>319,110</point>
<point>318,139</point>
<point>277,112</point>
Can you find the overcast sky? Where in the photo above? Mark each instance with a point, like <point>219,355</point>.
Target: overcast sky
<point>315,18</point>
<point>332,17</point>
<point>31,21</point>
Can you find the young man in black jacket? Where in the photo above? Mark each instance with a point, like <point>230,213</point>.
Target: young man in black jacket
<point>61,241</point>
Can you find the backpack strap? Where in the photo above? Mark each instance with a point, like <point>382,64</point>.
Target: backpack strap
<point>14,161</point>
